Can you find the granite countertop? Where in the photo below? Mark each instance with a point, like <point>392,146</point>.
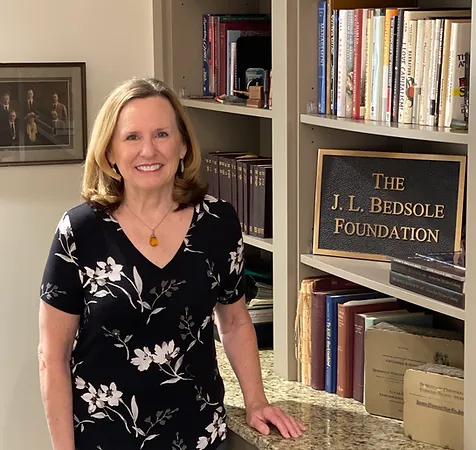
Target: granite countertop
<point>332,422</point>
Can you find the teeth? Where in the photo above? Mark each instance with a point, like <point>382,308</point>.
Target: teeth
<point>149,168</point>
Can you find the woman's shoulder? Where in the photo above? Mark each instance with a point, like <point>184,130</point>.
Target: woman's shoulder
<point>219,210</point>
<point>78,218</point>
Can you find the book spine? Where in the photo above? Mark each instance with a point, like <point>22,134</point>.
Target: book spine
<point>398,67</point>
<point>420,42</point>
<point>251,198</point>
<point>359,347</point>
<point>329,13</point>
<point>234,184</point>
<point>321,57</point>
<point>246,194</point>
<point>330,348</point>
<point>343,345</point>
<point>409,38</point>
<point>428,277</point>
<point>386,63</point>
<point>268,204</point>
<point>377,64</point>
<point>348,83</point>
<point>425,85</point>
<point>206,54</point>
<point>342,63</point>
<point>433,85</point>
<point>368,62</point>
<point>429,290</point>
<point>439,71</point>
<point>334,59</point>
<point>318,340</point>
<point>240,209</point>
<point>358,48</point>
<point>391,67</point>
<point>459,46</point>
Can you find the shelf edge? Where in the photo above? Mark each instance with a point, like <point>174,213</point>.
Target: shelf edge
<point>388,289</point>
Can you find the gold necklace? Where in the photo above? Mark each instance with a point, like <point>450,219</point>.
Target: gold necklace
<point>153,241</point>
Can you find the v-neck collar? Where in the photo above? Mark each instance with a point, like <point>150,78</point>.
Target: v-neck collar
<point>117,229</point>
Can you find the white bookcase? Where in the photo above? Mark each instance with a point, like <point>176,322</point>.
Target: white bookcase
<point>292,137</point>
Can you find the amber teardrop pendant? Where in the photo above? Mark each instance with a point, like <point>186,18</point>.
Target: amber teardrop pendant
<point>153,240</point>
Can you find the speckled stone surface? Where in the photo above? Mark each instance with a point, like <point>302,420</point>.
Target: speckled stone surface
<point>333,423</point>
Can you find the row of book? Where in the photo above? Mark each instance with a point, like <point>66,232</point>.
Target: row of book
<point>440,276</point>
<point>244,180</point>
<point>232,44</point>
<point>395,64</point>
<point>358,343</point>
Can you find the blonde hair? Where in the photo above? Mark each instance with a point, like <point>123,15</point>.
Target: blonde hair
<point>102,186</point>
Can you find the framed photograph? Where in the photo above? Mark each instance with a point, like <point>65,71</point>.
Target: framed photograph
<point>42,113</point>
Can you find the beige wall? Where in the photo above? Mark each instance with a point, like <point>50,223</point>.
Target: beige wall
<point>114,37</point>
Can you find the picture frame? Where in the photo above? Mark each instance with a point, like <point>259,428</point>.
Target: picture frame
<point>43,113</point>
<point>377,204</point>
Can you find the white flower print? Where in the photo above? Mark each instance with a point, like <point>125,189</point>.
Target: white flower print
<point>163,356</point>
<point>111,394</point>
<point>106,275</point>
<point>64,226</point>
<point>167,287</point>
<point>236,258</point>
<point>66,239</point>
<point>110,269</point>
<point>50,291</point>
<point>203,208</point>
<point>143,359</point>
<point>165,353</point>
<point>205,400</point>
<point>109,399</point>
<point>186,324</point>
<point>122,343</point>
<point>211,274</point>
<point>95,398</point>
<point>178,443</point>
<point>217,429</point>
<point>186,241</point>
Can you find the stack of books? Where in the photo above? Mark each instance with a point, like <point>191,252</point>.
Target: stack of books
<point>231,44</point>
<point>440,276</point>
<point>245,181</point>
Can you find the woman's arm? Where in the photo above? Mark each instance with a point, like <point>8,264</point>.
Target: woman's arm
<point>57,332</point>
<point>238,337</point>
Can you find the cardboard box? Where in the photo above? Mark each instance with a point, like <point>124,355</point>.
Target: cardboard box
<point>433,410</point>
<point>392,349</point>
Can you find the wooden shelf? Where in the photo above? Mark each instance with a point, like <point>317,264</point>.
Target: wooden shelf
<point>263,244</point>
<point>374,275</point>
<point>398,130</point>
<point>213,105</point>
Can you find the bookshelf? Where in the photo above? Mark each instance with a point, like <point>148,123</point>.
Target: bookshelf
<point>292,136</point>
<point>212,105</point>
<point>322,131</point>
<point>225,127</point>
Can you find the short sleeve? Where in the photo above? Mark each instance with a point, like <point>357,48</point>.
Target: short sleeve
<point>233,283</point>
<point>61,286</point>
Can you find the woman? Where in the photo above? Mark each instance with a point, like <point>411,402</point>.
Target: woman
<point>133,278</point>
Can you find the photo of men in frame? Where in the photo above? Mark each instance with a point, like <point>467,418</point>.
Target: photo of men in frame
<point>35,113</point>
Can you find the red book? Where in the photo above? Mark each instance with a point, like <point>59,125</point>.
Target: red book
<point>318,326</point>
<point>345,337</point>
<point>357,78</point>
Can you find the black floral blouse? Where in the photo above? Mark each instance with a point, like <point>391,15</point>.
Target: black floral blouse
<point>144,371</point>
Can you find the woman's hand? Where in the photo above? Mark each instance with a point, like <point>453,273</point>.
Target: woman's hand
<point>259,415</point>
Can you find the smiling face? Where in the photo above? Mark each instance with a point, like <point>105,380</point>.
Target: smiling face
<point>147,145</point>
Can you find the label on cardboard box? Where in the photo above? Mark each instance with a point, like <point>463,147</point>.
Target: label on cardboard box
<point>392,349</point>
<point>434,405</point>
